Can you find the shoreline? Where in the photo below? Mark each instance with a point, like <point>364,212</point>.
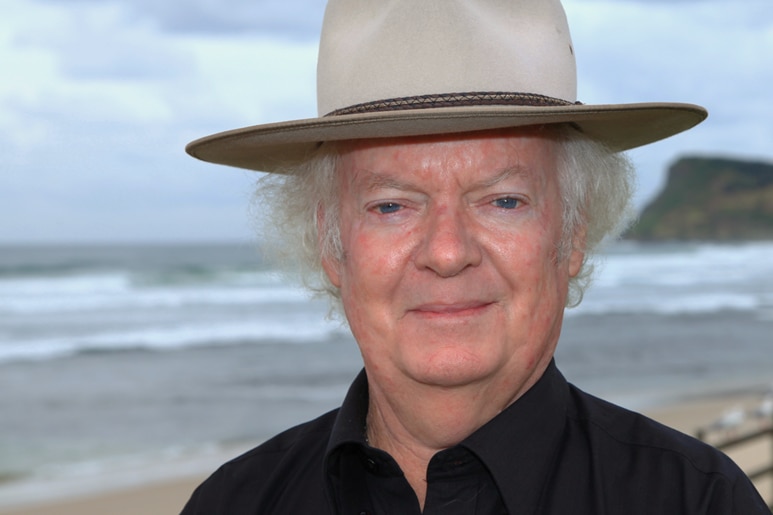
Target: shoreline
<point>159,488</point>
<point>166,487</point>
<point>167,496</point>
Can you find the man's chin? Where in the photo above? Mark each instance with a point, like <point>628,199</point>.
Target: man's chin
<point>452,371</point>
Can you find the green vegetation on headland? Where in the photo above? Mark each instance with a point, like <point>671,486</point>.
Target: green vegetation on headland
<point>710,199</point>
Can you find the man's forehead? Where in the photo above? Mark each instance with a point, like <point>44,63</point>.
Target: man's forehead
<point>372,180</point>
<point>501,154</point>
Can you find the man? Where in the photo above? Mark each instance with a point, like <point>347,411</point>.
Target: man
<point>448,200</point>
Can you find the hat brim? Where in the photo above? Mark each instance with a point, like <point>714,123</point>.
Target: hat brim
<point>274,147</point>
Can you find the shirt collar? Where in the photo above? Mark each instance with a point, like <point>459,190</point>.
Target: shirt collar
<point>349,425</point>
<point>519,446</point>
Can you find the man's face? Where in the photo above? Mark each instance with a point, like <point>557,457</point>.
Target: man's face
<point>450,273</point>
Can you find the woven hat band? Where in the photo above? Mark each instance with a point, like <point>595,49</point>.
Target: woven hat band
<point>478,98</point>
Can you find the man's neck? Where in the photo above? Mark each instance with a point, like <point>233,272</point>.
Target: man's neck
<point>414,422</point>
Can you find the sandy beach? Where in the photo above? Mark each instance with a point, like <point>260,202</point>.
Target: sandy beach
<point>164,497</point>
<point>163,490</point>
<point>167,495</point>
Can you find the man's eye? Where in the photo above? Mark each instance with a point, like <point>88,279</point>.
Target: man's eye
<point>388,207</point>
<point>506,203</point>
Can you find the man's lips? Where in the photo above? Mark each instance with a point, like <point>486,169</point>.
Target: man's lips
<point>450,309</point>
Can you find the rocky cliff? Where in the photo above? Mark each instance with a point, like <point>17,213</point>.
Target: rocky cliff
<point>711,199</point>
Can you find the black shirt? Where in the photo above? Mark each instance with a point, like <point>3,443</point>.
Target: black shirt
<point>556,450</point>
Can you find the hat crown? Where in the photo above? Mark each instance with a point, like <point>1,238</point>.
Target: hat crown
<point>373,50</point>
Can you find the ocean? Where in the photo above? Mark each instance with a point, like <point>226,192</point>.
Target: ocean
<point>131,356</point>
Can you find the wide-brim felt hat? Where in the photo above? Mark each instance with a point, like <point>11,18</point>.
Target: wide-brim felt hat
<point>397,68</point>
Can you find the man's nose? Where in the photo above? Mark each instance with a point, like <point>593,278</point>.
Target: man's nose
<point>448,245</point>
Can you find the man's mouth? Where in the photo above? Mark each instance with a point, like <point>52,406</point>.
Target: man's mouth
<point>451,309</point>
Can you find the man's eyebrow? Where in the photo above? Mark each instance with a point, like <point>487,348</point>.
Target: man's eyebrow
<point>505,173</point>
<point>376,181</point>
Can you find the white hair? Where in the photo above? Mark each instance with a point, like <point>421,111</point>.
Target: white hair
<point>595,183</point>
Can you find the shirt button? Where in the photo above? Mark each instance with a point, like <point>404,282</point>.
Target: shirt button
<point>371,466</point>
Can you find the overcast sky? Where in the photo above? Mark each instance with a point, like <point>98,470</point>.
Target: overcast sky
<point>99,97</point>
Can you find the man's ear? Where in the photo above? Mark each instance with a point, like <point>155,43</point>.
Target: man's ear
<point>330,264</point>
<point>577,254</point>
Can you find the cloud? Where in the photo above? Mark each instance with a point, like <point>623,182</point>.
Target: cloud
<point>103,41</point>
<point>294,19</point>
<point>103,101</point>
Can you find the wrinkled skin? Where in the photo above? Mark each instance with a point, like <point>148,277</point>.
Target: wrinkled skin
<point>450,274</point>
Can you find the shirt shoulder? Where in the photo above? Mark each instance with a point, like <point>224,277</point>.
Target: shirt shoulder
<point>282,475</point>
<point>637,457</point>
<point>629,428</point>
